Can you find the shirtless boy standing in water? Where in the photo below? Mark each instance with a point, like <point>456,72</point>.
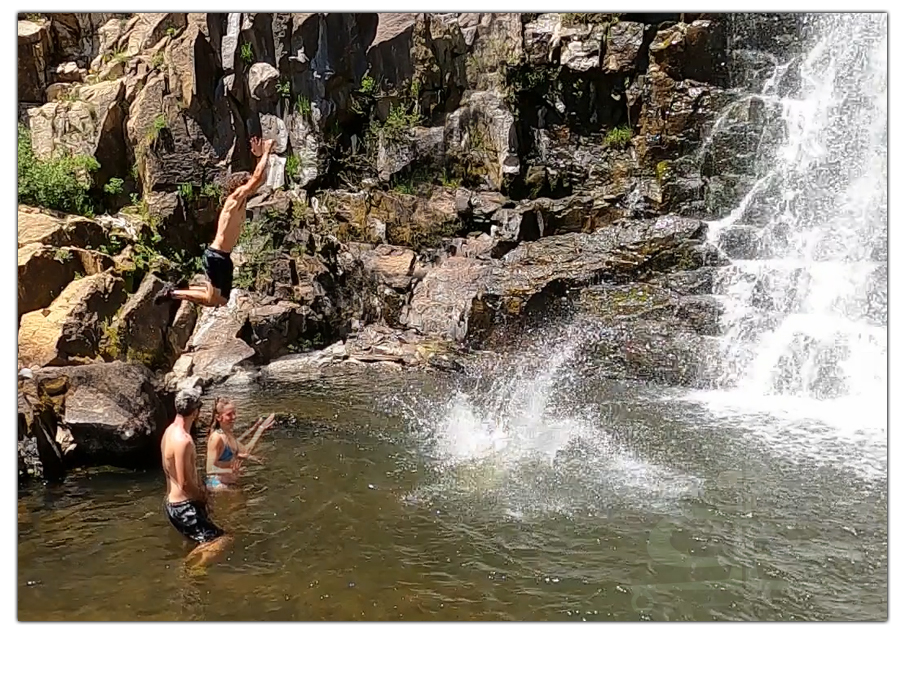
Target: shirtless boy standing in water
<point>217,259</point>
<point>186,495</point>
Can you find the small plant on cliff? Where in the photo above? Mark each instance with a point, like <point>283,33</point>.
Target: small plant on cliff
<point>114,187</point>
<point>399,122</point>
<point>367,85</point>
<point>158,59</point>
<point>304,107</point>
<point>247,53</point>
<point>211,190</point>
<point>186,192</point>
<point>62,255</point>
<point>62,183</point>
<point>120,56</point>
<point>159,123</point>
<point>292,167</point>
<point>171,31</point>
<point>663,171</point>
<point>618,137</point>
<point>284,88</point>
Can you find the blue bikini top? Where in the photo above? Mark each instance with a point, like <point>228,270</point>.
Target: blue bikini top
<point>227,454</point>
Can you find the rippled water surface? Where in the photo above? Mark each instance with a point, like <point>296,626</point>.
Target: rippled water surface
<point>429,499</point>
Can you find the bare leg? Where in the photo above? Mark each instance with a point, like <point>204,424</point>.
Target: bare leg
<point>207,552</point>
<point>204,295</point>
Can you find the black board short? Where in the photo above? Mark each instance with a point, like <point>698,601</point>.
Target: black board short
<point>219,269</point>
<point>192,520</point>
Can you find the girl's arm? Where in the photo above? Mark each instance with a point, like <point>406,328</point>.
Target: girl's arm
<point>250,429</point>
<point>247,448</point>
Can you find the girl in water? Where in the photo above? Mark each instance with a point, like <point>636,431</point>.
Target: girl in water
<point>225,453</point>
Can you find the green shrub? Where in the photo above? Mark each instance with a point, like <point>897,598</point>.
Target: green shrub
<point>292,167</point>
<point>114,187</point>
<point>618,137</point>
<point>62,183</point>
<point>304,106</point>
<point>247,53</point>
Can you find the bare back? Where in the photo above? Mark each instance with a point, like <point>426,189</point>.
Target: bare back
<point>179,459</point>
<point>231,219</point>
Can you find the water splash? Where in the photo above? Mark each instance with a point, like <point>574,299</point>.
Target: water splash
<point>520,439</point>
<point>805,319</point>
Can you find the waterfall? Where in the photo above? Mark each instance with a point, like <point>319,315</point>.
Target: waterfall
<point>805,326</point>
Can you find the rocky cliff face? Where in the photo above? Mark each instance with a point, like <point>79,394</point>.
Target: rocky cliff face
<point>435,175</point>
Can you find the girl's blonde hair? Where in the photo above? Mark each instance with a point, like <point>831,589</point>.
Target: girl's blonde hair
<point>217,408</point>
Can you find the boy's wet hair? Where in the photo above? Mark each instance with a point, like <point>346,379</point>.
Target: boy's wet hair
<point>187,401</point>
<point>236,180</point>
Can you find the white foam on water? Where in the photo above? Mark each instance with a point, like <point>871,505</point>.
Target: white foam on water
<point>514,445</point>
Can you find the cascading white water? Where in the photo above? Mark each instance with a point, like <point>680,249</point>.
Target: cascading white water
<point>806,308</point>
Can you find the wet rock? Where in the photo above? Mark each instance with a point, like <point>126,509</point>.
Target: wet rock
<point>623,45</point>
<point>374,346</point>
<point>648,351</point>
<point>420,145</point>
<point>262,80</point>
<point>483,130</point>
<point>33,57</point>
<point>40,456</point>
<point>112,411</point>
<point>585,165</point>
<point>45,271</point>
<point>542,36</point>
<point>675,116</point>
<point>695,51</point>
<point>446,302</point>
<point>652,302</point>
<point>390,264</point>
<point>510,226</point>
<point>462,296</point>
<point>581,46</point>
<point>71,328</point>
<point>740,242</point>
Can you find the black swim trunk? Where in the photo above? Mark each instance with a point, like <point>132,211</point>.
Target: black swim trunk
<point>219,269</point>
<point>192,520</point>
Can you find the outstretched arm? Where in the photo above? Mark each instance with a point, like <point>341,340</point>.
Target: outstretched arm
<point>262,150</point>
<point>247,449</point>
<point>250,429</point>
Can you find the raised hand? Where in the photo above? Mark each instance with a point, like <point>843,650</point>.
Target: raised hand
<point>268,423</point>
<point>258,146</point>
